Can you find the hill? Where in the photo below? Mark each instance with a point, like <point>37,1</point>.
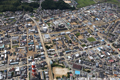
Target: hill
<point>15,5</point>
<point>50,4</point>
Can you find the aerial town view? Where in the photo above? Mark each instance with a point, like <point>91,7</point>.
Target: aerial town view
<point>59,39</point>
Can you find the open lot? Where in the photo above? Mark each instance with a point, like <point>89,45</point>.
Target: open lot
<point>80,37</point>
<point>58,72</point>
<point>91,39</point>
<point>110,1</point>
<point>83,3</point>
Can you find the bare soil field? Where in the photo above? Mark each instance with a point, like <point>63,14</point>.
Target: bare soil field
<point>58,72</point>
<point>80,37</point>
<point>67,1</point>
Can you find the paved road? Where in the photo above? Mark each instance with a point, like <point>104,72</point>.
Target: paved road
<point>2,21</point>
<point>47,59</point>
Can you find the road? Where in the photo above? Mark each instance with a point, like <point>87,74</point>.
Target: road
<point>47,59</point>
<point>2,21</point>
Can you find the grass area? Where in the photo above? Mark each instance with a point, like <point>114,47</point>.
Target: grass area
<point>1,12</point>
<point>57,65</point>
<point>32,16</point>
<point>14,20</point>
<point>83,45</point>
<point>114,2</point>
<point>110,1</point>
<point>66,37</point>
<point>44,68</point>
<point>48,24</point>
<point>91,39</point>
<point>77,34</point>
<point>15,46</point>
<point>83,3</point>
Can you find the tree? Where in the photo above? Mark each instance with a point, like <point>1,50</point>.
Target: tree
<point>47,47</point>
<point>93,75</point>
<point>63,76</point>
<point>13,5</point>
<point>70,41</point>
<point>77,34</point>
<point>14,53</point>
<point>57,77</point>
<point>50,4</point>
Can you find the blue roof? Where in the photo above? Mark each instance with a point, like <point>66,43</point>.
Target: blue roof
<point>30,43</point>
<point>77,72</point>
<point>68,23</point>
<point>40,44</point>
<point>2,46</point>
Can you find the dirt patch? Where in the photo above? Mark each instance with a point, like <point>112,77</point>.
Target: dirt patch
<point>60,43</point>
<point>73,23</point>
<point>80,37</point>
<point>67,1</point>
<point>31,53</point>
<point>58,72</point>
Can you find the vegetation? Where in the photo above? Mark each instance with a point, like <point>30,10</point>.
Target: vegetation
<point>91,39</point>
<point>14,53</point>
<point>16,5</point>
<point>48,24</point>
<point>29,75</point>
<point>53,75</point>
<point>68,74</point>
<point>44,68</point>
<point>15,46</point>
<point>83,3</point>
<point>57,65</point>
<point>63,76</point>
<point>87,70</point>
<point>47,47</point>
<point>57,77</point>
<point>66,36</point>
<point>1,13</point>
<point>93,75</point>
<point>109,1</point>
<point>77,34</point>
<point>50,4</point>
<point>70,41</point>
<point>83,45</point>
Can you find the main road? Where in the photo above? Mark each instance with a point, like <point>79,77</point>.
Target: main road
<point>41,39</point>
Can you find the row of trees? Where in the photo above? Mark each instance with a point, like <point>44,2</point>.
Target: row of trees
<point>14,5</point>
<point>50,4</point>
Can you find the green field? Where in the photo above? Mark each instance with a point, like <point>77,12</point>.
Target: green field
<point>1,13</point>
<point>15,46</point>
<point>91,39</point>
<point>83,3</point>
<point>109,1</point>
<point>83,45</point>
<point>48,24</point>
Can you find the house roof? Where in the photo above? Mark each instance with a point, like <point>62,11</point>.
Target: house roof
<point>111,60</point>
<point>46,36</point>
<point>77,66</point>
<point>77,72</point>
<point>2,46</point>
<point>1,76</point>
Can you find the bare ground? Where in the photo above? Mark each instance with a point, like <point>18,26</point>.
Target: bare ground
<point>58,72</point>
